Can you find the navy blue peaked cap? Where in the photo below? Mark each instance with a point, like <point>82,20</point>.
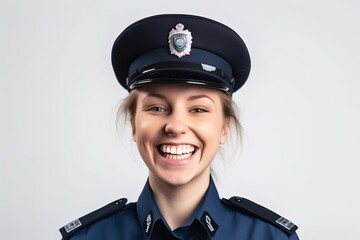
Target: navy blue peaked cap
<point>177,48</point>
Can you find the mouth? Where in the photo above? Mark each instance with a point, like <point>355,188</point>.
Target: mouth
<point>177,152</point>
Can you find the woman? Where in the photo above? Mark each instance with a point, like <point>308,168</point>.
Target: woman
<point>181,72</point>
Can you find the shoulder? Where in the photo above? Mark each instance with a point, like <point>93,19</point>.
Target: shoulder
<point>255,210</point>
<point>102,214</point>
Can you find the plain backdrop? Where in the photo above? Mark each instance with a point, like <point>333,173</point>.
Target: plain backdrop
<point>60,153</point>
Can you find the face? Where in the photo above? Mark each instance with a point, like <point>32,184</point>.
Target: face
<point>178,129</point>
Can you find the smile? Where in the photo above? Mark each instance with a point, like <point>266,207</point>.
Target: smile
<point>177,152</point>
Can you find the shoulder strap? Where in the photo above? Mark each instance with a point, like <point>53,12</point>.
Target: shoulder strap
<point>69,229</point>
<point>253,209</point>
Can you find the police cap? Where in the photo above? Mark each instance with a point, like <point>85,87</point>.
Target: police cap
<point>177,48</point>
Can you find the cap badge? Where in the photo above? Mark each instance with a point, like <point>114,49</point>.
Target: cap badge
<point>180,41</point>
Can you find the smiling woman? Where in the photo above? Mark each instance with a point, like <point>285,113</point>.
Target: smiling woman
<point>176,117</point>
<point>180,83</point>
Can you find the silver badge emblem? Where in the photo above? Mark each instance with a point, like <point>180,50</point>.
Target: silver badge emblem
<point>148,222</point>
<point>208,223</point>
<point>285,223</point>
<point>180,41</point>
<point>71,226</point>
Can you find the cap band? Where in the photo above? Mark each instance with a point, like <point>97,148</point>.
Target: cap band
<point>181,72</point>
<point>196,56</point>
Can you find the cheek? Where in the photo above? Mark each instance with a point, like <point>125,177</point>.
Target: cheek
<point>144,129</point>
<point>212,130</point>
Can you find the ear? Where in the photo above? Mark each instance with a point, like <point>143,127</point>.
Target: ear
<point>132,121</point>
<point>225,131</point>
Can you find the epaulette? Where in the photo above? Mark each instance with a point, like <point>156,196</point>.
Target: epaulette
<point>254,209</point>
<point>69,229</point>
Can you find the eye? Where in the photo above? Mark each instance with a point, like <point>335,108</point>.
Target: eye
<point>156,109</point>
<point>198,110</point>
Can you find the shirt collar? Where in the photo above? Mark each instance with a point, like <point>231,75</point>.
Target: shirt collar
<point>147,210</point>
<point>208,212</point>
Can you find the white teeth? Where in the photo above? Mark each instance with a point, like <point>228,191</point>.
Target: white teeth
<point>178,157</point>
<point>177,150</point>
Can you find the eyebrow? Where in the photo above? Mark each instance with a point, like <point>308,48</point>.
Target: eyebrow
<point>191,98</point>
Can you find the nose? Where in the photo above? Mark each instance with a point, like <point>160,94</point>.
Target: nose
<point>176,124</point>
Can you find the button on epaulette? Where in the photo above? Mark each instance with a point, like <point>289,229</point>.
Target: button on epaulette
<point>254,209</point>
<point>69,229</point>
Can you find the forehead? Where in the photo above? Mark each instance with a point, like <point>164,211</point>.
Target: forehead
<point>169,90</point>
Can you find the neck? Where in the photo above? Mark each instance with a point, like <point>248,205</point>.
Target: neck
<point>178,202</point>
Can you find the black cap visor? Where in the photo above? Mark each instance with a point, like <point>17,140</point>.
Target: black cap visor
<point>181,72</point>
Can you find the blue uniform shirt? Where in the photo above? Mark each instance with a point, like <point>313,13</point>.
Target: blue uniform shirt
<point>213,219</point>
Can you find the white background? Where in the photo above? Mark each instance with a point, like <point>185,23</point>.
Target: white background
<point>61,156</point>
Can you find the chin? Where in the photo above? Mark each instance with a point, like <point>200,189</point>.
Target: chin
<point>175,179</point>
<point>180,178</point>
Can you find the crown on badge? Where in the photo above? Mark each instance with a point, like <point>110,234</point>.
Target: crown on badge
<point>180,41</point>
